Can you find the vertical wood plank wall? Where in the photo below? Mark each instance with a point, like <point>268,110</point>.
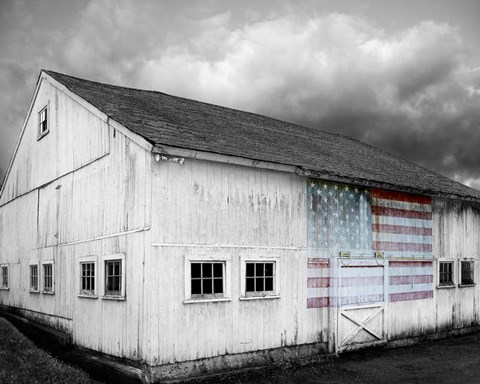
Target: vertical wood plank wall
<point>227,211</point>
<point>80,182</point>
<point>455,237</point>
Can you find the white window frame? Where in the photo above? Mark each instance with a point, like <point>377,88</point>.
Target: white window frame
<point>30,265</point>
<point>39,133</point>
<point>244,295</point>
<point>84,293</point>
<point>42,275</point>
<point>468,260</point>
<point>227,278</point>
<point>2,287</point>
<point>454,274</point>
<point>102,272</point>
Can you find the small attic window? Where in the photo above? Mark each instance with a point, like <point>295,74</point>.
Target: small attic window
<point>43,122</point>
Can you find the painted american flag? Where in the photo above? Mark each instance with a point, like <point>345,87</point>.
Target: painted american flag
<point>410,280</point>
<point>401,223</point>
<point>362,221</point>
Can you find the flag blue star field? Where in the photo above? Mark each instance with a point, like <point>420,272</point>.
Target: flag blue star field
<point>339,218</point>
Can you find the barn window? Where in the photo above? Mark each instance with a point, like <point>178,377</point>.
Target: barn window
<point>259,277</point>
<point>43,127</point>
<point>113,277</point>
<point>446,273</point>
<point>47,278</point>
<point>466,272</point>
<point>207,279</point>
<point>4,270</point>
<point>87,278</point>
<point>34,278</point>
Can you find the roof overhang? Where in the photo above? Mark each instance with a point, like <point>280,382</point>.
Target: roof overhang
<point>167,150</point>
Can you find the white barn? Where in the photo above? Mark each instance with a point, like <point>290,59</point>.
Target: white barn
<point>193,238</point>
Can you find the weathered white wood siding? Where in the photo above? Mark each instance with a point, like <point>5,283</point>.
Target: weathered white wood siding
<point>227,211</point>
<point>457,237</point>
<point>76,138</point>
<point>79,191</point>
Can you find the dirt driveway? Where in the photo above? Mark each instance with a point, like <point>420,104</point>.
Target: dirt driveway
<point>453,360</point>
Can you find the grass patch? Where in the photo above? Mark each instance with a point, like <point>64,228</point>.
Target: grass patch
<point>22,362</point>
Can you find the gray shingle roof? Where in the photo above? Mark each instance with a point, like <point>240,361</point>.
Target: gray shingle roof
<point>175,121</point>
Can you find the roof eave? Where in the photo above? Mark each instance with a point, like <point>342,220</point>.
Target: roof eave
<point>382,185</point>
<point>167,150</point>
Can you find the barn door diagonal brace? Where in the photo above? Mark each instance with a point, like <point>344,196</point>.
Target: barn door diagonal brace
<point>362,325</point>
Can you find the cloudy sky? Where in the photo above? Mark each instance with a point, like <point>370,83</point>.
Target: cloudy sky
<point>401,75</point>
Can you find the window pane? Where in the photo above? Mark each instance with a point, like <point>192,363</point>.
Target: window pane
<point>207,270</point>
<point>196,287</point>
<point>113,277</point>
<point>207,286</point>
<point>268,269</point>
<point>250,269</point>
<point>467,272</point>
<point>206,278</point>
<point>218,270</point>
<point>446,272</point>
<point>4,277</point>
<point>218,286</point>
<point>259,270</point>
<point>250,287</point>
<point>269,284</point>
<point>196,269</point>
<point>259,284</point>
<point>115,284</point>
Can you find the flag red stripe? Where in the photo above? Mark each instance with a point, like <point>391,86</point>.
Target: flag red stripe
<point>315,262</point>
<point>401,229</point>
<point>415,279</point>
<point>396,212</point>
<point>318,302</point>
<point>400,196</point>
<point>395,246</point>
<point>410,264</point>
<point>419,295</point>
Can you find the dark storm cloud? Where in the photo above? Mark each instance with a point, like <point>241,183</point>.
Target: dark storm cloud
<point>410,92</point>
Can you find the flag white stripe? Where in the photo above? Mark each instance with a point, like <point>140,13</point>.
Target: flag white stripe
<point>409,254</point>
<point>361,272</point>
<point>401,238</point>
<point>401,205</point>
<point>317,292</point>
<point>407,288</point>
<point>318,272</point>
<point>360,291</point>
<point>390,220</point>
<point>410,271</point>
